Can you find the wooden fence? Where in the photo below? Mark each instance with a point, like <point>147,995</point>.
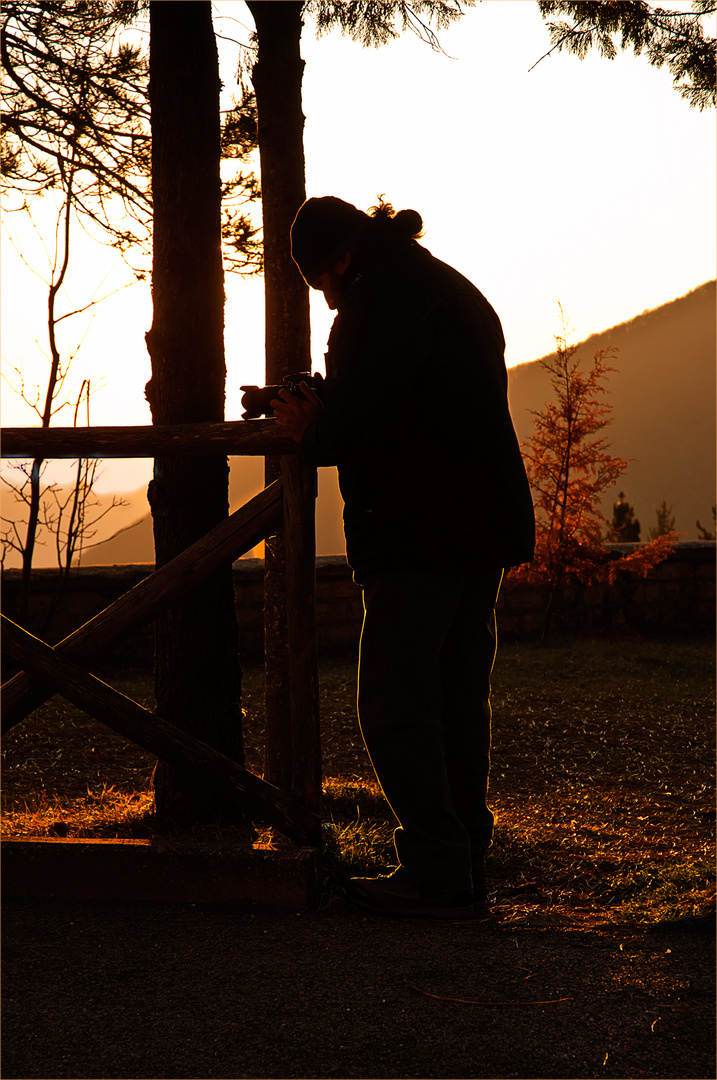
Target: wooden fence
<point>289,500</point>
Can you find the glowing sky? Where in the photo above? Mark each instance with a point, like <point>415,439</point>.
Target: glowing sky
<point>586,182</point>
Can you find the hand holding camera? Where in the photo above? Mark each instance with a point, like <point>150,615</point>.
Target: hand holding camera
<point>256,400</point>
<point>294,404</point>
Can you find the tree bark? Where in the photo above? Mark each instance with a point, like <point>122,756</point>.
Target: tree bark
<point>197,671</point>
<point>277,77</point>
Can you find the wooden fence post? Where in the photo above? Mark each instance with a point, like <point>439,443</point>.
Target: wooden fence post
<point>277,679</point>
<point>299,486</point>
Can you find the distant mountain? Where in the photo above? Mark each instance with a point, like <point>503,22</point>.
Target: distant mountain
<point>663,398</point>
<point>246,479</point>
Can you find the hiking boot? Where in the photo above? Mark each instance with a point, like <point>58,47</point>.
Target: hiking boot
<point>392,895</point>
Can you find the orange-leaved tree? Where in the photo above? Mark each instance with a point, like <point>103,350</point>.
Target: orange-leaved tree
<point>570,467</point>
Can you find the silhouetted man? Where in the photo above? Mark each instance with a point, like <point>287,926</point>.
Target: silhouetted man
<point>414,413</point>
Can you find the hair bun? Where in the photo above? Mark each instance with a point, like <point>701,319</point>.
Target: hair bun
<point>409,223</point>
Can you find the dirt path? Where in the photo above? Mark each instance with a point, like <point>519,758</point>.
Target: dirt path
<point>149,991</point>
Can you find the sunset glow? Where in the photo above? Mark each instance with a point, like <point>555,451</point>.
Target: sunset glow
<point>585,182</point>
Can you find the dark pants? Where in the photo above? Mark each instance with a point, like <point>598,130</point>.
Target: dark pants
<point>427,650</point>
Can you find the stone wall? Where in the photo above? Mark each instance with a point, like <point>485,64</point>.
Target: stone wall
<point>677,597</point>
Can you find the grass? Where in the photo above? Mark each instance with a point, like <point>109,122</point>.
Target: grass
<point>602,783</point>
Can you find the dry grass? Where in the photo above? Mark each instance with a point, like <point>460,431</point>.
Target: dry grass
<point>603,779</point>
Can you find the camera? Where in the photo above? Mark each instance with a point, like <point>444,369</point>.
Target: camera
<point>256,400</point>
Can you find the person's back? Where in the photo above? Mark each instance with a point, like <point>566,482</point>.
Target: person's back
<point>418,419</point>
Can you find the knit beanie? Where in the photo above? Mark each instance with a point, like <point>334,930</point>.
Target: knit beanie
<point>323,231</point>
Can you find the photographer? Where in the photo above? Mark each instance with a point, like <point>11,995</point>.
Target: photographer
<point>414,413</point>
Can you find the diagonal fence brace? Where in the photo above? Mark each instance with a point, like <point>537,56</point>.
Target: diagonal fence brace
<point>238,533</point>
<point>236,784</point>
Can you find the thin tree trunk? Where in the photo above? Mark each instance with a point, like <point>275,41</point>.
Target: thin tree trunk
<point>197,671</point>
<point>28,550</point>
<point>277,77</point>
<point>35,474</point>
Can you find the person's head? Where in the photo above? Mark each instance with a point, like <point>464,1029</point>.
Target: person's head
<point>328,234</point>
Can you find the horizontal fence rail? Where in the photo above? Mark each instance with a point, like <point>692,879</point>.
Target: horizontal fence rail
<point>235,438</point>
<point>228,540</point>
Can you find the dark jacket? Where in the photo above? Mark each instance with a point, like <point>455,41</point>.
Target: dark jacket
<point>416,419</point>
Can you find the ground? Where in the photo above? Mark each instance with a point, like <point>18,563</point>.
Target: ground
<point>598,960</point>
<point>602,779</point>
<point>105,990</point>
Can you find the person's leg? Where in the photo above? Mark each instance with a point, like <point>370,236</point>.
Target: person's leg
<point>466,663</point>
<point>407,618</point>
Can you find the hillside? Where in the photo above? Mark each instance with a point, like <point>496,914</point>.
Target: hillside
<point>663,397</point>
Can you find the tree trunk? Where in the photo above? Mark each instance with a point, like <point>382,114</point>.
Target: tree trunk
<point>277,77</point>
<point>197,671</point>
